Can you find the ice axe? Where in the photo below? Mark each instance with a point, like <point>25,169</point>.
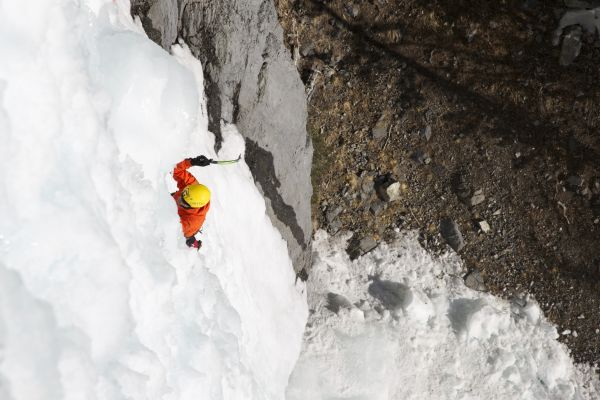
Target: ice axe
<point>225,162</point>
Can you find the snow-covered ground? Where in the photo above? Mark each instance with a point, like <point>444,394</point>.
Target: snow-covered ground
<point>399,324</point>
<point>99,297</point>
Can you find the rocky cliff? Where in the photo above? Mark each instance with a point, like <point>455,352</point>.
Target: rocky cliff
<point>250,81</point>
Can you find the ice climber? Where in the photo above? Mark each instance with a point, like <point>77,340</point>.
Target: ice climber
<point>192,198</point>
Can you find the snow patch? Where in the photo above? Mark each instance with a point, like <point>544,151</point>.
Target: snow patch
<point>424,334</point>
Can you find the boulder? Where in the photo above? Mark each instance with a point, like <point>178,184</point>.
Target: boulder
<point>358,247</point>
<point>483,226</point>
<point>474,280</point>
<point>451,234</point>
<point>393,191</point>
<point>387,188</point>
<point>382,126</point>
<point>367,244</point>
<point>377,207</point>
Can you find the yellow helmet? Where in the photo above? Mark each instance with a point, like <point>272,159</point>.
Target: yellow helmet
<point>196,195</point>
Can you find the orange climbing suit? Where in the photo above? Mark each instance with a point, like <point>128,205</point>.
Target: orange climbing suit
<point>192,219</point>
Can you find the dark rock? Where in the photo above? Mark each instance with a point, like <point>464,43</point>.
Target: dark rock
<point>358,247</point>
<point>335,226</point>
<point>159,19</point>
<point>519,301</point>
<point>530,4</point>
<point>451,234</point>
<point>582,4</point>
<point>336,302</point>
<point>571,46</point>
<point>439,170</point>
<point>574,183</point>
<point>576,148</point>
<point>460,187</point>
<point>401,220</point>
<point>595,204</point>
<point>308,50</point>
<point>595,185</point>
<point>382,183</point>
<point>302,275</point>
<point>381,128</point>
<point>377,207</point>
<point>366,187</point>
<point>421,157</point>
<point>474,280</point>
<point>367,244</point>
<point>333,214</point>
<point>464,192</point>
<point>379,133</point>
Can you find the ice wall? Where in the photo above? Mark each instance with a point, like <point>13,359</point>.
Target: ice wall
<point>250,81</point>
<point>99,297</point>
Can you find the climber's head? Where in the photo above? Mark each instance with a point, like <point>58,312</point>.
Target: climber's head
<point>194,196</point>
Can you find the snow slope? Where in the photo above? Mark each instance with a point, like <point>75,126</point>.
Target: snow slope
<point>400,324</point>
<point>99,297</point>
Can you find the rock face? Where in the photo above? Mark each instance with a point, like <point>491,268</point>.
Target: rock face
<point>250,81</point>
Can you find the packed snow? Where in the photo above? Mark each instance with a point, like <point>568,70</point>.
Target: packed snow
<point>99,296</point>
<point>398,323</point>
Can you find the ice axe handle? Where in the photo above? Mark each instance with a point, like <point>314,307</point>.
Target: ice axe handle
<point>225,162</point>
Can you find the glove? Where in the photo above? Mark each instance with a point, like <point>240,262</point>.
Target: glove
<point>200,161</point>
<point>192,242</point>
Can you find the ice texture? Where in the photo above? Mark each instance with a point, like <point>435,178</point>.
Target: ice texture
<point>99,296</point>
